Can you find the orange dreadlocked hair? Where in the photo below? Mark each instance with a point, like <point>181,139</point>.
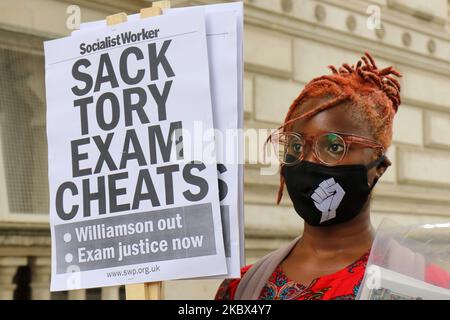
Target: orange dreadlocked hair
<point>372,94</point>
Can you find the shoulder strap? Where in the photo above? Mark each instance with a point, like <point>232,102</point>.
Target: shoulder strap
<point>255,278</point>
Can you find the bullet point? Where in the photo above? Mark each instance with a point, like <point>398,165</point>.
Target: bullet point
<point>69,258</point>
<point>67,237</point>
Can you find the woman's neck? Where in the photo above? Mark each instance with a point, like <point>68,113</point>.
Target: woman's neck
<point>355,235</point>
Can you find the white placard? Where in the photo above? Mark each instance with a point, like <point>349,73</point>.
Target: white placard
<point>130,201</point>
<point>224,28</point>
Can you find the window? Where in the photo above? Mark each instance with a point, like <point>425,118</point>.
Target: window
<point>22,126</point>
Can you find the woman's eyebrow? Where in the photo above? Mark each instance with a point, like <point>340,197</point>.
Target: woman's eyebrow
<point>319,132</point>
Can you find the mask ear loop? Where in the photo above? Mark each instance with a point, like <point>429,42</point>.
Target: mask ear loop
<point>375,164</point>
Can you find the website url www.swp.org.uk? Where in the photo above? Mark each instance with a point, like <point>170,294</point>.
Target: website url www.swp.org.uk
<point>133,272</point>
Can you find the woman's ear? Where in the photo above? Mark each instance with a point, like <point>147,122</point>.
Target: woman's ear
<point>382,167</point>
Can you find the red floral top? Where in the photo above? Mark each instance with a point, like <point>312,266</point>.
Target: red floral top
<point>342,285</point>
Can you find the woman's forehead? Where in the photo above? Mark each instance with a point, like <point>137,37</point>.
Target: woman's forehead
<point>339,118</point>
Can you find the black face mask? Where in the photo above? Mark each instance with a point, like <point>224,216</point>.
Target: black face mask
<point>326,196</point>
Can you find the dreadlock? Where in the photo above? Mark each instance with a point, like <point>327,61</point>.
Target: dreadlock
<point>372,93</point>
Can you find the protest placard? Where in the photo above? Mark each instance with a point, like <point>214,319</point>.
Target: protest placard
<point>224,27</point>
<point>130,202</point>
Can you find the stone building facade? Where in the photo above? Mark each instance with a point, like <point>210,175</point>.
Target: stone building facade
<point>287,43</point>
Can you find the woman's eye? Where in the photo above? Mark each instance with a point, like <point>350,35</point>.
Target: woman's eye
<point>297,148</point>
<point>336,148</point>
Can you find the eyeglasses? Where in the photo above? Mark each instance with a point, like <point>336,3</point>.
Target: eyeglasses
<point>330,148</point>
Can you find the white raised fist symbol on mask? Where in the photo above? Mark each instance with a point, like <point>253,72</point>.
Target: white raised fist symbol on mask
<point>327,198</point>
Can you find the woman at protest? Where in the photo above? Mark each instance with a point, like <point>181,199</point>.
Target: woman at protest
<point>332,148</point>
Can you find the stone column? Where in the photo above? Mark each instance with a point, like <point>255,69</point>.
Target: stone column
<point>8,268</point>
<point>40,278</point>
<point>110,293</point>
<point>77,294</point>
